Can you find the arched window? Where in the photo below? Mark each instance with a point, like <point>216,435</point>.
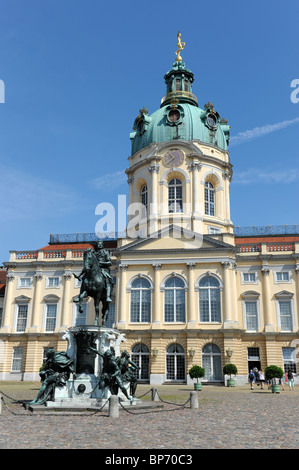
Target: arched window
<point>211,362</point>
<point>209,300</point>
<point>175,362</point>
<point>141,301</point>
<point>209,199</point>
<point>140,356</point>
<point>174,305</point>
<point>144,198</point>
<point>175,195</point>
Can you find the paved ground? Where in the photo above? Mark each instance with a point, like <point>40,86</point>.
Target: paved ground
<point>227,418</point>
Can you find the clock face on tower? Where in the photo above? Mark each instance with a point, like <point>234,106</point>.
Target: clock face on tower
<point>173,158</point>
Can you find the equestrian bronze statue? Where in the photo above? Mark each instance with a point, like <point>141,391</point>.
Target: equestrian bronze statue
<point>97,282</point>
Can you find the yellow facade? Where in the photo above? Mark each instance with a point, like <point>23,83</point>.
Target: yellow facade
<point>262,275</point>
<point>188,289</point>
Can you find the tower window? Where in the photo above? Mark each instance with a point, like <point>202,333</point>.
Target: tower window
<point>175,195</point>
<point>177,84</point>
<point>209,199</point>
<point>144,199</point>
<point>174,115</point>
<point>186,85</point>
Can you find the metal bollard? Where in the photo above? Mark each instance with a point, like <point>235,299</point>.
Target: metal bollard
<point>155,394</point>
<point>193,400</point>
<point>113,406</point>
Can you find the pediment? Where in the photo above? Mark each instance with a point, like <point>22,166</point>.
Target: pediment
<point>284,294</point>
<point>175,238</point>
<point>22,298</point>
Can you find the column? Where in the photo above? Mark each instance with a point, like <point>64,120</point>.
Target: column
<point>266,299</point>
<point>65,320</point>
<point>234,300</point>
<point>227,297</point>
<point>36,307</point>
<point>157,311</point>
<point>195,167</point>
<point>122,314</point>
<point>8,305</point>
<point>192,304</point>
<point>154,169</point>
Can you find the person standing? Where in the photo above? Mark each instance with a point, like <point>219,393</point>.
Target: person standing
<point>291,379</point>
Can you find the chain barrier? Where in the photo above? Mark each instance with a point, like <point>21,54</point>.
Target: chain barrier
<point>141,396</point>
<point>24,402</point>
<point>170,403</point>
<point>181,406</point>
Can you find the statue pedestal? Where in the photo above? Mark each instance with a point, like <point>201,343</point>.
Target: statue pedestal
<point>88,365</point>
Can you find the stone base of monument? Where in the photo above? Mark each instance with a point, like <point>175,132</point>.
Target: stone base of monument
<point>82,391</point>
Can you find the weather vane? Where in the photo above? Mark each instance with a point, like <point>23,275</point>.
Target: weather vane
<point>181,46</point>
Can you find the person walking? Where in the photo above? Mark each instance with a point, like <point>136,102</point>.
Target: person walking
<point>262,378</point>
<point>291,380</point>
<point>251,378</point>
<point>282,381</point>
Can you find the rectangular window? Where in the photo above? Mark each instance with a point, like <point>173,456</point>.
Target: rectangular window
<point>249,277</point>
<point>214,230</point>
<point>177,84</point>
<point>253,354</point>
<point>25,282</point>
<point>174,305</point>
<point>111,316</point>
<point>51,317</point>
<point>289,359</point>
<point>209,305</point>
<point>283,276</point>
<point>251,315</point>
<point>22,318</point>
<point>53,281</point>
<point>17,359</point>
<point>285,313</point>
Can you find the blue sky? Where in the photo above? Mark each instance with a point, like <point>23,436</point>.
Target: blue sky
<point>76,73</point>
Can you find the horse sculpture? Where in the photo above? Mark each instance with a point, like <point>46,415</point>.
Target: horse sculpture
<point>93,285</point>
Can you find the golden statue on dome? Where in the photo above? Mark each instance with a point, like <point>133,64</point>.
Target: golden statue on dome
<point>181,46</point>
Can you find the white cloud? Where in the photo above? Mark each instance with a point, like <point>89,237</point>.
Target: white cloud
<point>260,131</point>
<point>267,176</point>
<point>109,181</point>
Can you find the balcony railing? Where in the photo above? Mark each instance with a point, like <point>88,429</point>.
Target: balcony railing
<point>270,247</point>
<point>249,247</point>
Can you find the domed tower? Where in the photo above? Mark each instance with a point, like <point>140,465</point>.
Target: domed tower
<point>179,165</point>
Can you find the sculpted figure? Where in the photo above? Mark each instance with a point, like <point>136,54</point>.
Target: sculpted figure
<point>56,372</point>
<point>111,374</point>
<point>126,368</point>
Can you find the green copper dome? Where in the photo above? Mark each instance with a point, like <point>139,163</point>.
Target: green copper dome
<point>179,117</point>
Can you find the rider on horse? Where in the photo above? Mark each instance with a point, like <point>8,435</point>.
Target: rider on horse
<point>104,261</point>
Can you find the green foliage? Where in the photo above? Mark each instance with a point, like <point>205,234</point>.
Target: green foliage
<point>230,369</point>
<point>196,372</point>
<point>273,372</point>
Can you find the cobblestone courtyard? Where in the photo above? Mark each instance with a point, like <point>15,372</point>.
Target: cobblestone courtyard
<point>227,418</point>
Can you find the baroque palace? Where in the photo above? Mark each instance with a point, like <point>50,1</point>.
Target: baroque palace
<point>190,288</point>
